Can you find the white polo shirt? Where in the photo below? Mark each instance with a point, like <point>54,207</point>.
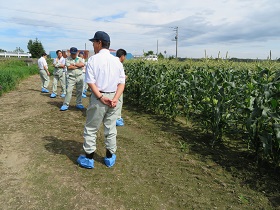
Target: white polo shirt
<point>58,61</point>
<point>105,71</point>
<point>41,63</point>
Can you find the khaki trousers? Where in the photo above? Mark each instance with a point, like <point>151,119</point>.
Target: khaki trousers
<point>45,79</point>
<point>98,113</point>
<point>75,77</point>
<point>119,114</point>
<point>85,87</point>
<point>59,75</point>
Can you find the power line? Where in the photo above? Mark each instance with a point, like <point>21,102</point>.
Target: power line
<point>59,27</point>
<point>42,13</point>
<point>64,16</point>
<point>47,26</point>
<point>70,27</point>
<point>41,22</point>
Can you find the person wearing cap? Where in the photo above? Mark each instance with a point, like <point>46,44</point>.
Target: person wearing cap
<point>85,86</point>
<point>74,66</point>
<point>106,78</point>
<point>44,73</point>
<point>121,54</point>
<point>58,75</point>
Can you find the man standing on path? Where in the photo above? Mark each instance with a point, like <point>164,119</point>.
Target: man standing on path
<point>121,54</point>
<point>85,86</point>
<point>59,75</point>
<point>75,77</point>
<point>106,78</point>
<point>44,73</point>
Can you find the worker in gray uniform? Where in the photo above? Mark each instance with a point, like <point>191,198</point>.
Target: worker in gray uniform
<point>74,66</point>
<point>59,75</point>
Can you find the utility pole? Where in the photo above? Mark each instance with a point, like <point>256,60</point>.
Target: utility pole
<point>157,47</point>
<point>176,39</point>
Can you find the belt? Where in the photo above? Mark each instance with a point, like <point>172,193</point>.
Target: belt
<point>106,92</point>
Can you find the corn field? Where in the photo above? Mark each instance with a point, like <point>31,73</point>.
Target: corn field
<point>225,96</point>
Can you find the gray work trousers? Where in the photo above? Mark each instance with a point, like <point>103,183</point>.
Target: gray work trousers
<point>75,77</point>
<point>59,75</point>
<point>98,113</point>
<point>45,79</point>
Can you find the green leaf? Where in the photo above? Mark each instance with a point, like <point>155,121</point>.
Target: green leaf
<point>265,111</point>
<point>257,112</point>
<point>274,103</point>
<point>263,72</point>
<point>277,131</point>
<point>266,140</point>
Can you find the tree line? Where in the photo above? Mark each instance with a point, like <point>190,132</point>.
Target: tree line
<point>35,48</point>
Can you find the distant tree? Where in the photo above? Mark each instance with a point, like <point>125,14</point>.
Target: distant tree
<point>1,50</point>
<point>36,48</point>
<point>18,49</point>
<point>148,53</point>
<point>160,56</point>
<point>171,57</point>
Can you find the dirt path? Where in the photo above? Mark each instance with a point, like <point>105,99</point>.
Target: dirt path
<point>39,146</point>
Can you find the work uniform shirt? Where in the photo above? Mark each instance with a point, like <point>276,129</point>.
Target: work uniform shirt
<point>105,71</point>
<point>41,63</point>
<point>76,72</point>
<point>84,68</point>
<point>57,62</point>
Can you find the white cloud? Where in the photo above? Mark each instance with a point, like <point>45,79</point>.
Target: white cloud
<point>243,28</point>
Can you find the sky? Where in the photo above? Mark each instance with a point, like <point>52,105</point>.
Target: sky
<point>224,28</point>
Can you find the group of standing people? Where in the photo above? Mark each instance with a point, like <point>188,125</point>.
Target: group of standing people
<point>104,76</point>
<point>69,72</point>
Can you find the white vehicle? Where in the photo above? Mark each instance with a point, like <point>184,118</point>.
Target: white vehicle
<point>151,58</point>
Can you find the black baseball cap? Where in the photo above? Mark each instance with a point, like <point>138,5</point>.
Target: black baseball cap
<point>73,50</point>
<point>100,35</point>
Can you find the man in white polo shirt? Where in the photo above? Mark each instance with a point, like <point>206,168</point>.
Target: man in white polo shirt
<point>59,75</point>
<point>44,73</point>
<point>106,78</point>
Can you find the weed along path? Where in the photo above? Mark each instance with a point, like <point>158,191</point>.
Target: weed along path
<point>39,146</point>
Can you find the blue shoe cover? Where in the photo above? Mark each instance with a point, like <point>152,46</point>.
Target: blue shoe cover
<point>62,95</point>
<point>109,162</point>
<point>84,95</point>
<point>64,108</point>
<point>80,106</point>
<point>119,122</point>
<point>44,90</point>
<point>85,162</point>
<point>53,95</point>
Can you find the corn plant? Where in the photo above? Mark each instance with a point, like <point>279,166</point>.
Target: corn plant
<point>222,96</point>
<point>263,120</point>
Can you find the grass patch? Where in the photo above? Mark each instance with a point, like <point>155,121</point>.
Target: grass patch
<point>12,71</point>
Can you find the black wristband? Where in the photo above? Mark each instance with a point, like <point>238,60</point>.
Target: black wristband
<point>99,97</point>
